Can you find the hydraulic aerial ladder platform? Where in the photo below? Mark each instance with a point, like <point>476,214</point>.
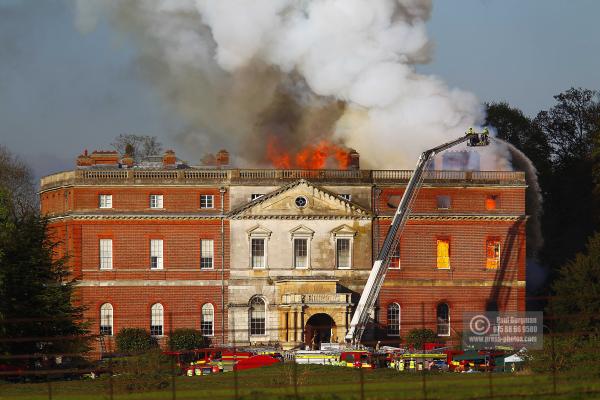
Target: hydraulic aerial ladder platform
<point>380,267</point>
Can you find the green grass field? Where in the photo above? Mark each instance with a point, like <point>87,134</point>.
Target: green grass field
<point>319,382</point>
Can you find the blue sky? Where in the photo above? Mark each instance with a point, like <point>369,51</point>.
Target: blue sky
<point>62,91</point>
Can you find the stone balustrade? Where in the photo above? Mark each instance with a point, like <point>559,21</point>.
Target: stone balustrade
<point>270,176</point>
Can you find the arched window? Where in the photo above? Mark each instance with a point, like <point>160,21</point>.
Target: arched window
<point>258,313</point>
<point>106,319</point>
<point>393,320</point>
<point>208,317</point>
<point>157,319</point>
<point>443,320</point>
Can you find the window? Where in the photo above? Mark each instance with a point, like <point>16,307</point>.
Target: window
<point>207,201</point>
<point>443,202</point>
<point>255,196</point>
<point>156,201</point>
<point>393,320</point>
<point>206,253</point>
<point>443,254</point>
<point>106,319</point>
<point>443,320</point>
<point>106,259</point>
<point>156,254</point>
<point>208,317</point>
<point>157,319</point>
<point>342,253</point>
<point>258,253</point>
<point>257,316</point>
<point>491,202</point>
<point>395,258</point>
<point>300,253</point>
<point>346,196</point>
<point>492,256</point>
<point>105,201</point>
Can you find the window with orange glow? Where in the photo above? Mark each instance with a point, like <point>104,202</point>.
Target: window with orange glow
<point>443,254</point>
<point>491,202</point>
<point>492,260</point>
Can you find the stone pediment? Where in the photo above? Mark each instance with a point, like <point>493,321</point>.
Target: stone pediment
<point>301,199</point>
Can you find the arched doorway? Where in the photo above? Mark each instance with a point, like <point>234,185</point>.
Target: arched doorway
<point>319,329</point>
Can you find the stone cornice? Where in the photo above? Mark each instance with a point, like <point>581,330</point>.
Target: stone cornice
<point>128,216</point>
<point>460,217</point>
<point>451,282</point>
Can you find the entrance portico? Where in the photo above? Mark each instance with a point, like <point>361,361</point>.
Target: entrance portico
<point>312,309</point>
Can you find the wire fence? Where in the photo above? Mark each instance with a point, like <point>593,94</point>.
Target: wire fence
<point>563,369</point>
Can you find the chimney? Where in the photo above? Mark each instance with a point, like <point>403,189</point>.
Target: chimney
<point>83,160</point>
<point>127,161</point>
<point>104,157</point>
<point>223,158</point>
<point>169,158</point>
<point>353,159</point>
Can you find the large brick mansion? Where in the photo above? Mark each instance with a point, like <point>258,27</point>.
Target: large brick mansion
<point>280,256</point>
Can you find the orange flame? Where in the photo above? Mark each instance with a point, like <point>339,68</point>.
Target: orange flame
<point>322,155</point>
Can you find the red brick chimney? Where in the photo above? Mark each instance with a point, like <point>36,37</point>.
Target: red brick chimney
<point>83,160</point>
<point>127,161</point>
<point>169,158</point>
<point>104,157</point>
<point>353,159</point>
<point>222,158</point>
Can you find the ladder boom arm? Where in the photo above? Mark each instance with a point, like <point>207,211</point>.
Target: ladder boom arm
<point>381,264</point>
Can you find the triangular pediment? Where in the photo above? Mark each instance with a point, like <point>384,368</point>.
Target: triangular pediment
<point>302,230</point>
<point>343,230</point>
<point>301,199</point>
<point>258,231</point>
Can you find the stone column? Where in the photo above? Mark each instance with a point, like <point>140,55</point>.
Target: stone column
<point>299,327</point>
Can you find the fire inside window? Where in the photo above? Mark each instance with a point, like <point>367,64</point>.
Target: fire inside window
<point>491,202</point>
<point>492,254</point>
<point>346,196</point>
<point>443,254</point>
<point>207,201</point>
<point>395,258</point>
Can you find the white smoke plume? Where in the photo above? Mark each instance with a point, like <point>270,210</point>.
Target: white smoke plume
<point>239,71</point>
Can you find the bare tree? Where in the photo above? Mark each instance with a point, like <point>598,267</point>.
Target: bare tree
<point>16,179</point>
<point>137,146</point>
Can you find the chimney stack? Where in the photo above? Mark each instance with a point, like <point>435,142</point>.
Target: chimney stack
<point>83,160</point>
<point>223,158</point>
<point>353,160</point>
<point>169,158</point>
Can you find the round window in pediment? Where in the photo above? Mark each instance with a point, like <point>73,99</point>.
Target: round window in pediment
<point>301,202</point>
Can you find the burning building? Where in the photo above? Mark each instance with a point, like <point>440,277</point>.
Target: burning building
<point>280,255</point>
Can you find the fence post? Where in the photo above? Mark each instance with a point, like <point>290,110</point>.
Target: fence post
<point>553,348</point>
<point>295,370</point>
<point>362,384</point>
<point>423,377</point>
<point>173,389</point>
<point>49,387</point>
<point>235,377</point>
